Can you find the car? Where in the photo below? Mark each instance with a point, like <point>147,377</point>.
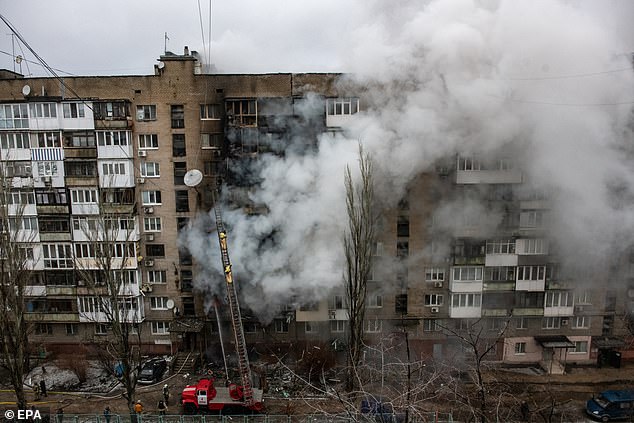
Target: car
<point>152,371</point>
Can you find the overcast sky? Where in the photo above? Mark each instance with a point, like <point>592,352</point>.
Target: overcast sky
<point>127,36</point>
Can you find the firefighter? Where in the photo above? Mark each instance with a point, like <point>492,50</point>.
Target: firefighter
<point>166,393</point>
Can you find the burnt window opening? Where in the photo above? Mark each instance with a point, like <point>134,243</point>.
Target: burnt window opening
<point>401,304</point>
<point>155,250</point>
<point>182,201</point>
<point>177,113</point>
<point>402,227</point>
<point>180,169</point>
<point>178,145</point>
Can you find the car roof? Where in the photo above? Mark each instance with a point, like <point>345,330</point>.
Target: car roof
<point>618,395</point>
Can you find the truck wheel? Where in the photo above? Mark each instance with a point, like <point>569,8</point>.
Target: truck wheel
<point>189,408</point>
<point>605,419</point>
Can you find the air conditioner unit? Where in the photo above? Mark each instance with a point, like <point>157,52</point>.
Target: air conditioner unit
<point>149,237</point>
<point>435,309</point>
<point>438,284</point>
<point>142,153</point>
<point>149,262</point>
<point>140,180</point>
<point>148,210</point>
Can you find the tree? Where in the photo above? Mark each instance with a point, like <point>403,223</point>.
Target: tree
<point>106,264</point>
<point>16,271</point>
<point>358,242</point>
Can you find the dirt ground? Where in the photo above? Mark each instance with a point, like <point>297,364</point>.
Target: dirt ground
<point>567,392</point>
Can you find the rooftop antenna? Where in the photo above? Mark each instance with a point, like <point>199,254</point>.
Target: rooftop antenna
<point>166,40</point>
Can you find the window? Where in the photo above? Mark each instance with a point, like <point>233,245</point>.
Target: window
<point>152,224</point>
<point>84,196</point>
<point>160,328</point>
<point>24,223</point>
<point>336,302</point>
<point>401,304</point>
<point>581,347</point>
<point>43,329</point>
<point>499,273</point>
<point>521,323</point>
<point>377,249</point>
<point>51,196</point>
<point>402,226</point>
<point>433,299</point>
<point>531,273</point>
<point>101,329</point>
<point>311,327</point>
<point>150,170</point>
<point>180,169</point>
<point>281,326</point>
<point>503,246</point>
<point>110,110</point>
<point>583,297</point>
<point>157,276</point>
<point>434,274</point>
<point>468,163</point>
<point>535,246</point>
<point>14,116</point>
<point>213,141</point>
<point>151,198</point>
<point>43,110</point>
<point>402,249</point>
<point>431,325</point>
<point>467,273</point>
<point>241,112</point>
<point>178,145</point>
<point>21,197</point>
<point>558,299</point>
<point>520,348</point>
<point>147,141</point>
<point>581,322</point>
<point>531,219</point>
<point>209,111</point>
<point>113,138</point>
<point>12,168</point>
<point>529,299</point>
<point>342,106</point>
<point>11,140</point>
<point>177,113</point>
<point>57,256</point>
<point>81,169</point>
<point>466,300</point>
<point>47,168</point>
<point>212,168</point>
<point>158,303</point>
<point>337,326</point>
<point>71,329</point>
<point>83,223</point>
<point>113,168</point>
<point>53,224</point>
<point>73,110</point>
<point>187,280</point>
<point>145,112</point>
<point>373,326</point>
<point>182,201</point>
<point>375,301</point>
<point>551,323</point>
<point>118,195</point>
<point>155,250</point>
<point>80,139</point>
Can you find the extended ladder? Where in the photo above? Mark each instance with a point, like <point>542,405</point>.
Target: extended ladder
<point>236,318</point>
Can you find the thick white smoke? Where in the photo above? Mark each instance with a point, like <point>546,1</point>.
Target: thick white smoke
<point>450,77</point>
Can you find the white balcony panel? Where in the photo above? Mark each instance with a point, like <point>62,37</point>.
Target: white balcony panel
<point>15,154</point>
<point>534,286</point>
<point>118,181</point>
<point>465,286</point>
<point>488,177</point>
<point>500,260</point>
<point>82,208</point>
<point>22,210</point>
<point>465,312</point>
<point>115,151</point>
<point>335,121</point>
<point>35,290</point>
<point>558,311</point>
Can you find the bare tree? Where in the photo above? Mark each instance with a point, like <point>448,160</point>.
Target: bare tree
<point>358,243</point>
<point>16,271</point>
<point>106,264</point>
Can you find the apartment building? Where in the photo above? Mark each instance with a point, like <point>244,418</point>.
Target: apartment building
<point>74,147</point>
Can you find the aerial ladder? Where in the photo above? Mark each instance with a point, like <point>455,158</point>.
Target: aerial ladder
<point>236,318</point>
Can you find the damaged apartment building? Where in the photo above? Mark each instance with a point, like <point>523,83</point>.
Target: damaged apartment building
<point>127,142</point>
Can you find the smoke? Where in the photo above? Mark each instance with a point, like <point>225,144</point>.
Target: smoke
<point>545,84</point>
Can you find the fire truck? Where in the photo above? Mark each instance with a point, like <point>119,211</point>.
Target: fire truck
<point>204,396</point>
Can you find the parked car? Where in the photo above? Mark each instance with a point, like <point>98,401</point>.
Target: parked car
<point>612,405</point>
<point>152,371</point>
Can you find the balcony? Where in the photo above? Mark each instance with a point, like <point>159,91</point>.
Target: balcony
<point>528,311</point>
<point>498,286</point>
<point>53,317</point>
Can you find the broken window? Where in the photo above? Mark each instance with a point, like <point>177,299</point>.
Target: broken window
<point>155,250</point>
<point>402,226</point>
<point>241,112</point>
<point>401,304</point>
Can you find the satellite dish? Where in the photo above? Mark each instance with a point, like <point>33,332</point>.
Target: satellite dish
<point>161,65</point>
<point>26,90</point>
<point>193,178</point>
<point>170,304</point>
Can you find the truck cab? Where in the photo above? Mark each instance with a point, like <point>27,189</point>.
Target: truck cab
<point>611,405</point>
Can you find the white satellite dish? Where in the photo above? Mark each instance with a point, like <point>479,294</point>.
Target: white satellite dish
<point>26,90</point>
<point>161,65</point>
<point>170,304</point>
<point>193,178</point>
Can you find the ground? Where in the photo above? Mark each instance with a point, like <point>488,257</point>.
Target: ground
<point>567,393</point>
